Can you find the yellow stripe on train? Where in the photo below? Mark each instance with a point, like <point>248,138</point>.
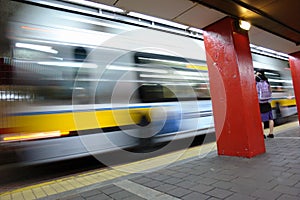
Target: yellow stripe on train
<point>284,102</point>
<point>197,67</point>
<point>73,121</point>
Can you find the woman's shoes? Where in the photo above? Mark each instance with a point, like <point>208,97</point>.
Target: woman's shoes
<point>269,136</point>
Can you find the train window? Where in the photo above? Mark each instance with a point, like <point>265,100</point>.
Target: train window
<point>6,73</point>
<point>43,83</point>
<point>49,73</point>
<point>186,81</point>
<point>156,93</point>
<point>80,54</point>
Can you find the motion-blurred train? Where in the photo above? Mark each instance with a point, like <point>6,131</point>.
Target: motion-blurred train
<point>78,84</point>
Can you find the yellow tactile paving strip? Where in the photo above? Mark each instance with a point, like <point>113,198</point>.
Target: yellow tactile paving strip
<point>284,127</point>
<point>97,176</point>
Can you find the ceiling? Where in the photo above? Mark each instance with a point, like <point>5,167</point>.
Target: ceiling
<point>275,23</point>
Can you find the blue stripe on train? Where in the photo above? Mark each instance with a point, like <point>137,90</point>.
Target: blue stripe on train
<point>70,111</point>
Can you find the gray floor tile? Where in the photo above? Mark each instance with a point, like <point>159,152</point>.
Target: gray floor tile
<point>240,197</point>
<point>99,197</point>
<point>165,187</point>
<point>179,192</point>
<point>202,188</point>
<point>288,197</point>
<point>266,194</point>
<point>110,189</point>
<point>122,195</point>
<point>219,193</point>
<point>195,196</point>
<point>90,193</point>
<point>287,190</point>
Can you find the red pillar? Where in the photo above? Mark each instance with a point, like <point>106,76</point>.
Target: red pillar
<point>294,61</point>
<point>233,90</point>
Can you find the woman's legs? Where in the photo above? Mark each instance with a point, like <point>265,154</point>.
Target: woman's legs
<point>271,127</point>
<point>262,124</point>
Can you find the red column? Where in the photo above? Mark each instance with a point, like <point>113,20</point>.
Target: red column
<point>294,61</point>
<point>233,90</point>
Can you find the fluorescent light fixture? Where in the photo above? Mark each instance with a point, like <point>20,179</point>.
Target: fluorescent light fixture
<point>188,78</point>
<point>269,52</point>
<point>196,30</point>
<point>277,80</point>
<point>138,69</point>
<point>63,6</point>
<point>98,23</point>
<point>272,74</point>
<point>187,73</point>
<point>97,5</point>
<point>158,20</point>
<point>42,48</point>
<point>244,25</point>
<point>163,61</point>
<point>70,64</point>
<point>289,81</point>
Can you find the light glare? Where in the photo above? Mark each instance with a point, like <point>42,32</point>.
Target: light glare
<point>244,25</point>
<point>42,48</point>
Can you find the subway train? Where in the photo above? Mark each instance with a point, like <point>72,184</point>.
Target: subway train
<point>78,84</point>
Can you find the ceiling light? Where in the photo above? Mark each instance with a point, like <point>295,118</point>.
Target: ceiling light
<point>97,5</point>
<point>244,25</point>
<point>197,30</point>
<point>158,20</point>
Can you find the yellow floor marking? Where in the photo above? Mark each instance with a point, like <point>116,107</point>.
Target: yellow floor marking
<point>84,181</point>
<point>67,186</point>
<point>5,197</point>
<point>284,127</point>
<point>72,182</point>
<point>17,195</point>
<point>39,193</point>
<point>58,188</point>
<point>98,176</point>
<point>48,190</point>
<point>90,180</point>
<point>28,194</point>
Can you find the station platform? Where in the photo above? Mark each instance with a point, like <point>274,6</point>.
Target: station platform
<point>198,173</point>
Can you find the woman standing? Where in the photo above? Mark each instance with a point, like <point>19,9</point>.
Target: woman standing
<point>264,96</point>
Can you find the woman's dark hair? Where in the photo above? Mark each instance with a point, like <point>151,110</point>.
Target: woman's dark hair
<point>261,76</point>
